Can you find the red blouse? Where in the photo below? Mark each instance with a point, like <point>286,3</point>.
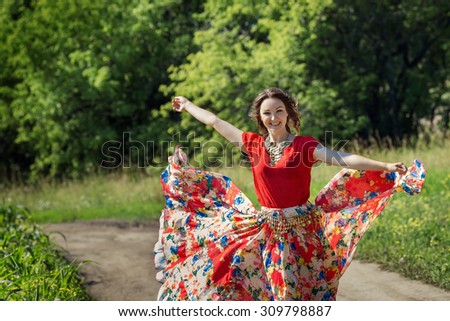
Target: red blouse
<point>286,183</point>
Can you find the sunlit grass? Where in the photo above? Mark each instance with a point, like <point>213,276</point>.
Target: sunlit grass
<point>31,266</point>
<point>97,197</point>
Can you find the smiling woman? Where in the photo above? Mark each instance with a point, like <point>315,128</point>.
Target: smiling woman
<point>214,244</point>
<point>274,117</point>
<point>275,112</point>
<point>275,100</point>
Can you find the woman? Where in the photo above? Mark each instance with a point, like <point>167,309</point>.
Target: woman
<point>214,244</point>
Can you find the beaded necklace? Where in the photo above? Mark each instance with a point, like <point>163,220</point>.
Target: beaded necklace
<point>276,150</point>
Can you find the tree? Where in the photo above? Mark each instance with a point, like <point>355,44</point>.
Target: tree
<point>244,47</point>
<point>387,62</point>
<point>359,68</point>
<point>81,73</point>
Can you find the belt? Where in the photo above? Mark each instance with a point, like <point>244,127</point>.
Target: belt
<point>281,220</point>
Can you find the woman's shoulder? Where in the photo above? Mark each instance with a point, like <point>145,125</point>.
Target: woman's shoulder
<point>250,136</point>
<point>305,139</point>
<point>253,142</point>
<point>305,142</point>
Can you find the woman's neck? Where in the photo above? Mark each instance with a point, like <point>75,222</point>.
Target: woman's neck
<point>279,138</point>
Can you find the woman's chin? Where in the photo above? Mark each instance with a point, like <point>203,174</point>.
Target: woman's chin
<point>275,130</point>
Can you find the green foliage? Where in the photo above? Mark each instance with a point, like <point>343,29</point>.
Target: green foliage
<point>82,82</point>
<point>245,46</point>
<point>31,267</point>
<point>382,59</point>
<point>364,68</point>
<point>82,73</point>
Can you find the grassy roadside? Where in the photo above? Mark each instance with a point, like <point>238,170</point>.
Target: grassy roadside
<point>97,197</point>
<point>31,266</point>
<point>411,237</point>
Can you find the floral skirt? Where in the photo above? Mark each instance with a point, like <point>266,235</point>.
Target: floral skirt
<point>214,245</point>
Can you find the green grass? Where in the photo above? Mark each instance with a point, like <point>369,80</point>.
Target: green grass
<point>411,237</point>
<point>97,197</point>
<point>31,266</point>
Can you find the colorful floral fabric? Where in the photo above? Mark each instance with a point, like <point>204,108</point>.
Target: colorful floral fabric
<point>214,245</point>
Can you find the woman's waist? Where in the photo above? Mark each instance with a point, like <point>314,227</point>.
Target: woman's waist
<point>281,200</point>
<point>304,210</point>
<point>281,220</point>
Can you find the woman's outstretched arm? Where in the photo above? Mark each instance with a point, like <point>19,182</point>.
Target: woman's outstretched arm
<point>333,157</point>
<point>231,133</point>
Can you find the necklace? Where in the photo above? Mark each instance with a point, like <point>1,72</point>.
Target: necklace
<point>276,150</point>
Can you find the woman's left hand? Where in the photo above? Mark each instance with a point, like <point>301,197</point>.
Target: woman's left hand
<point>397,167</point>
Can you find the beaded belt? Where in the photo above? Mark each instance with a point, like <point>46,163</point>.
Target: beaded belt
<point>281,220</point>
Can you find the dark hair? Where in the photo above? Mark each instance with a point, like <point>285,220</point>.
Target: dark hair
<point>290,104</point>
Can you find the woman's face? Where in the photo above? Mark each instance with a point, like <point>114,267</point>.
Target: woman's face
<point>274,115</point>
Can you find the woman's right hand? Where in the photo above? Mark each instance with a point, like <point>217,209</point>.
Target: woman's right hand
<point>179,103</point>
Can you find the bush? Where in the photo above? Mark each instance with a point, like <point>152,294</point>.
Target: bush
<point>31,266</point>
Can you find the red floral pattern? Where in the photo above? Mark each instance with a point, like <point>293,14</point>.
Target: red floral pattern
<point>214,245</point>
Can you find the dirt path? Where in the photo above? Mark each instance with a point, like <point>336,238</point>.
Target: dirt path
<point>123,266</point>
